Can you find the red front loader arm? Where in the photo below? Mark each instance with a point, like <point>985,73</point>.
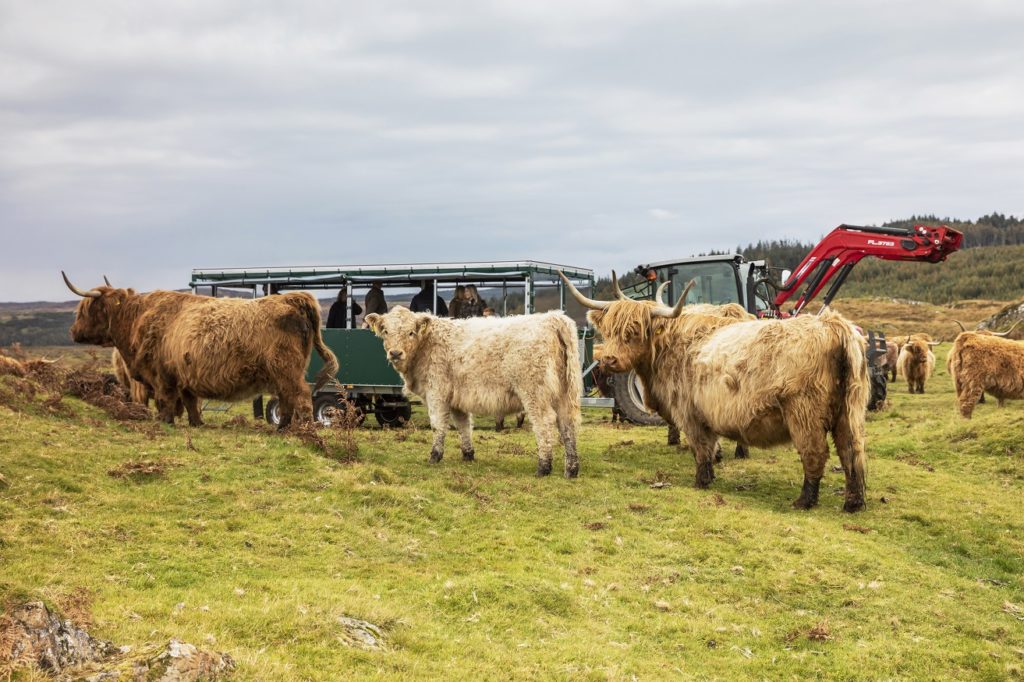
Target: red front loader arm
<point>844,246</point>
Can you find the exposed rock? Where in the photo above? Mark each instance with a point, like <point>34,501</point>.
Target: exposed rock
<point>1005,318</point>
<point>33,636</point>
<point>360,634</point>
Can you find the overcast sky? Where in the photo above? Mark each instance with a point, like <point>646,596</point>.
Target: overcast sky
<point>144,139</point>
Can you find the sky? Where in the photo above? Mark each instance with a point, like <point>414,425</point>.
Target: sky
<point>141,140</point>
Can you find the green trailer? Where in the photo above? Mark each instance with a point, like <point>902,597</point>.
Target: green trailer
<point>365,377</point>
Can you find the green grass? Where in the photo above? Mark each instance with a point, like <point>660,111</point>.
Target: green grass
<point>482,571</point>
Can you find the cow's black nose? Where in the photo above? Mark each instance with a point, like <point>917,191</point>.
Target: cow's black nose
<point>395,354</point>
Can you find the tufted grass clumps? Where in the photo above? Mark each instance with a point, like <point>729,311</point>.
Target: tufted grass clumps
<point>243,540</point>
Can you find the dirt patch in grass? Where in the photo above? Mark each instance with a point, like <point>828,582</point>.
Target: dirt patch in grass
<point>142,470</point>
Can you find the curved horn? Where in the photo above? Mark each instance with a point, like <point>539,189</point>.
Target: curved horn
<point>933,343</point>
<point>659,295</point>
<point>665,311</point>
<point>76,290</point>
<point>618,292</point>
<point>583,300</point>
<point>1007,332</point>
<point>907,341</point>
<point>107,281</point>
<point>959,324</point>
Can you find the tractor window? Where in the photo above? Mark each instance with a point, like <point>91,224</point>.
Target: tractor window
<point>716,282</point>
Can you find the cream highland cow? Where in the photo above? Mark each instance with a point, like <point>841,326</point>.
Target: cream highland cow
<point>486,365</point>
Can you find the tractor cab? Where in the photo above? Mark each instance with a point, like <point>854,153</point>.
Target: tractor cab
<point>720,279</point>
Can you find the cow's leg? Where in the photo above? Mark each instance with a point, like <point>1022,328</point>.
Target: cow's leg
<point>718,452</point>
<point>499,423</point>
<point>567,429</point>
<point>545,429</point>
<point>703,443</point>
<point>168,403</point>
<point>849,441</point>
<point>295,402</point>
<point>741,451</point>
<point>464,423</point>
<point>893,374</point>
<point>812,446</point>
<point>673,435</point>
<point>438,410</point>
<point>969,398</point>
<point>191,403</point>
<point>520,420</point>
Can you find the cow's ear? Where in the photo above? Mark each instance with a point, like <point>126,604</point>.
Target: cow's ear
<point>595,317</point>
<point>373,319</point>
<point>423,324</point>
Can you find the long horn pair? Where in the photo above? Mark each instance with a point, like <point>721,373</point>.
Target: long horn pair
<point>1007,332</point>
<point>92,293</point>
<point>665,311</point>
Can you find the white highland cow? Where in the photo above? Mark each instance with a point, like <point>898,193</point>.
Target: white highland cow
<point>488,365</point>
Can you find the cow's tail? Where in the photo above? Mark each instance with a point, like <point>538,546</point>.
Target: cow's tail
<point>311,309</point>
<point>854,379</point>
<point>572,380</point>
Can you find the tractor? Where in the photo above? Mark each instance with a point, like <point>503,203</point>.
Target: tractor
<point>763,290</point>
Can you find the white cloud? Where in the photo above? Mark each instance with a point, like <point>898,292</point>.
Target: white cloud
<point>160,137</point>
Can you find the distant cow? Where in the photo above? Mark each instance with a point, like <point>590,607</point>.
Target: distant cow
<point>892,354</point>
<point>982,361</point>
<point>916,361</point>
<point>11,367</point>
<point>758,382</point>
<point>489,365</point>
<point>186,347</point>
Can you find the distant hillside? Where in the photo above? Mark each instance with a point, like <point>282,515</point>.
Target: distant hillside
<point>37,328</point>
<point>989,266</point>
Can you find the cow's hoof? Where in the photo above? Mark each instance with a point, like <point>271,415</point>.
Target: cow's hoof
<point>854,505</point>
<point>468,455</point>
<point>572,471</point>
<point>803,503</point>
<point>741,451</point>
<point>198,422</point>
<point>718,453</point>
<point>544,468</point>
<point>705,474</point>
<point>435,456</point>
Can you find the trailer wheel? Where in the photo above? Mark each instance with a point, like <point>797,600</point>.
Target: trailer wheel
<point>393,414</point>
<point>629,398</point>
<point>272,412</point>
<point>336,401</point>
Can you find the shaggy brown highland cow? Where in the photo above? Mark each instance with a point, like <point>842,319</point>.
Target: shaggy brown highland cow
<point>757,382</point>
<point>982,362</point>
<point>916,362</point>
<point>187,347</point>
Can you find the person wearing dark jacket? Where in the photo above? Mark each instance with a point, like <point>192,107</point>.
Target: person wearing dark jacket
<point>423,302</point>
<point>339,311</point>
<point>374,301</point>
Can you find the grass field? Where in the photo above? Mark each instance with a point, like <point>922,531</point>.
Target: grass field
<point>254,544</point>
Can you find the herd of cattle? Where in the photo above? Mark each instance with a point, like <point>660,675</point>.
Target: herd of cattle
<point>710,371</point>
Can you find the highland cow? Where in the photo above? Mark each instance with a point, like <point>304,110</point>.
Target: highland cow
<point>187,347</point>
<point>488,365</point>
<point>916,361</point>
<point>757,382</point>
<point>983,361</point>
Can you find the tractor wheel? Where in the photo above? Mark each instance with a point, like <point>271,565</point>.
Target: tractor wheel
<point>393,414</point>
<point>879,388</point>
<point>629,398</point>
